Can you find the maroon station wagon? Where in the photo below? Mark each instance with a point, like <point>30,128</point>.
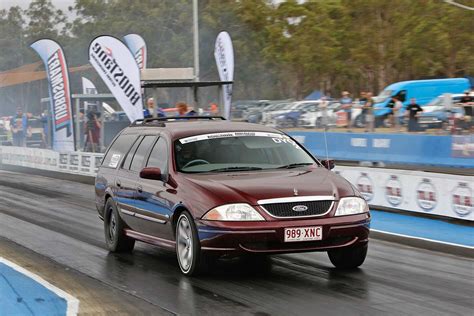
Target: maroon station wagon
<point>207,187</point>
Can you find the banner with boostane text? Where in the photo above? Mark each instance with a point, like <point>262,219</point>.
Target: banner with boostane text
<point>224,54</point>
<point>59,93</point>
<point>117,67</point>
<point>137,46</point>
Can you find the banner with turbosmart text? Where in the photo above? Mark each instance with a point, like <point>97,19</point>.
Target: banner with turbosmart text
<point>59,93</point>
<point>224,54</point>
<point>117,67</point>
<point>137,46</point>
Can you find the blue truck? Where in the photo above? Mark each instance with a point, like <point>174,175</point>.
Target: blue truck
<point>422,90</point>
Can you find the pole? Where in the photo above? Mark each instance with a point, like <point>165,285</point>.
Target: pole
<point>196,40</point>
<point>78,124</point>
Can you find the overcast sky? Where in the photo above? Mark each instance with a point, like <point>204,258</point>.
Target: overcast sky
<point>60,4</point>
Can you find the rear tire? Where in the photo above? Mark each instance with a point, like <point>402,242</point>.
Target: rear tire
<point>114,229</point>
<point>348,257</point>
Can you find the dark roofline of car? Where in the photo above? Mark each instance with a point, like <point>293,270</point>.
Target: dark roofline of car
<point>160,121</point>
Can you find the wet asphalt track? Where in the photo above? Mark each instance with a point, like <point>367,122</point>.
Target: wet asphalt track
<point>57,218</point>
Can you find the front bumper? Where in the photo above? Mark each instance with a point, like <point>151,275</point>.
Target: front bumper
<point>268,237</point>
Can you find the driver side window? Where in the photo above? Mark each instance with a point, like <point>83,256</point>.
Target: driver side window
<point>159,156</point>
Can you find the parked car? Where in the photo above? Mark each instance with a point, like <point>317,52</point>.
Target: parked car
<point>422,90</point>
<point>240,108</point>
<point>315,119</point>
<point>206,188</point>
<point>271,118</point>
<point>291,118</point>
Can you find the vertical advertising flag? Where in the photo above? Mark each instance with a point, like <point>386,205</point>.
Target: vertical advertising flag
<point>137,46</point>
<point>117,67</point>
<point>88,88</point>
<point>224,54</point>
<point>59,93</point>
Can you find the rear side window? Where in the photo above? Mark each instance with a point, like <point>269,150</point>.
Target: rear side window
<point>141,152</point>
<point>118,150</point>
<point>159,156</point>
<point>128,159</point>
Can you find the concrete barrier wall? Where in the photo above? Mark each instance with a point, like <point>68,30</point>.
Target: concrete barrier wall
<point>411,191</point>
<point>443,151</point>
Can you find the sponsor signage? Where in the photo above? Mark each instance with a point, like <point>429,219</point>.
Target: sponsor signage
<point>117,67</point>
<point>137,46</point>
<point>414,191</point>
<point>224,54</point>
<point>59,93</point>
<point>462,146</point>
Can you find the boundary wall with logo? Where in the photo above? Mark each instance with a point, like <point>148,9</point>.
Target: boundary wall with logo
<point>411,191</point>
<point>435,150</point>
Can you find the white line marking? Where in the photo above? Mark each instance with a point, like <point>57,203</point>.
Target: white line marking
<point>421,238</point>
<point>72,302</point>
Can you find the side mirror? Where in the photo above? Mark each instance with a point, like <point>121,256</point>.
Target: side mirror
<point>151,173</point>
<point>328,163</point>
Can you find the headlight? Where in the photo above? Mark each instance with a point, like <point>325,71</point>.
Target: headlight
<point>351,205</point>
<point>233,212</point>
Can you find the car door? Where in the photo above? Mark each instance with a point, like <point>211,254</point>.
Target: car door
<point>155,197</point>
<point>129,177</point>
<point>125,184</point>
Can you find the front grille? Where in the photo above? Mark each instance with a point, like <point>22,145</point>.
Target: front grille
<point>315,208</point>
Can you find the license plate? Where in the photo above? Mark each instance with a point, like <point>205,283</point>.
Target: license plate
<point>303,233</point>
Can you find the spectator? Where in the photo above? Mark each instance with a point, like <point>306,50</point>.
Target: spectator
<point>412,109</point>
<point>466,98</point>
<point>92,131</point>
<point>45,124</point>
<point>346,103</point>
<point>214,109</point>
<point>324,111</point>
<point>363,97</point>
<point>19,125</point>
<point>367,114</point>
<point>395,106</point>
<point>183,109</point>
<point>151,110</point>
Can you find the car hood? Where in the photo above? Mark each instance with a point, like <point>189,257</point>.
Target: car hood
<point>249,187</point>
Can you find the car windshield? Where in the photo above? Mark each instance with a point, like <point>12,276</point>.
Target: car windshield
<point>238,151</point>
<point>383,96</point>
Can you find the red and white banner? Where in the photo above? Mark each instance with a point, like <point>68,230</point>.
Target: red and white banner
<point>137,46</point>
<point>224,54</point>
<point>117,67</point>
<point>59,93</point>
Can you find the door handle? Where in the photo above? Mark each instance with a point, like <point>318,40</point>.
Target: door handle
<point>118,183</point>
<point>139,189</point>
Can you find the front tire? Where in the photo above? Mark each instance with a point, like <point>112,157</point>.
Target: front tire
<point>188,247</point>
<point>114,229</point>
<point>348,257</point>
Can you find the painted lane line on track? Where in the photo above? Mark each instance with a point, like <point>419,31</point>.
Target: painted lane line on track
<point>421,238</point>
<point>72,302</point>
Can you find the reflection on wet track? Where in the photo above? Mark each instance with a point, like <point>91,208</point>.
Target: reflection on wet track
<point>57,219</point>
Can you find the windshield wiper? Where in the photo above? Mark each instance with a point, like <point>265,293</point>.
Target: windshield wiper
<point>235,169</point>
<point>295,165</point>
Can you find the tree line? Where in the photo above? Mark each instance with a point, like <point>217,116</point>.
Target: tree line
<point>282,49</point>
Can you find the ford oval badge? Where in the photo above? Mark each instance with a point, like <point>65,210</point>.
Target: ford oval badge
<point>300,208</point>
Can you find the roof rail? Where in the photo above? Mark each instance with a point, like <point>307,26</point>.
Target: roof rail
<point>160,121</point>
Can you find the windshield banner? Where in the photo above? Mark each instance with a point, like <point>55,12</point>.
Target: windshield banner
<point>59,93</point>
<point>137,46</point>
<point>117,67</point>
<point>230,134</point>
<point>224,54</point>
